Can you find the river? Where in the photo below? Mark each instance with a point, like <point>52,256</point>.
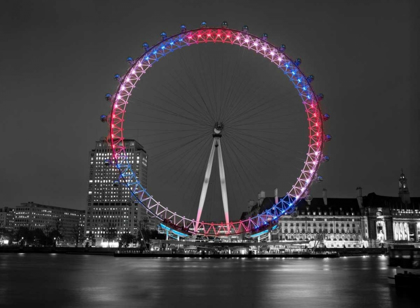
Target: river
<point>60,280</point>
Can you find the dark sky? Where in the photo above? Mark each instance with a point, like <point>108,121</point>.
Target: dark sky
<point>58,58</point>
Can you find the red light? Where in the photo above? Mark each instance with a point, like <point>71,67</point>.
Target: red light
<point>199,35</point>
<point>189,37</point>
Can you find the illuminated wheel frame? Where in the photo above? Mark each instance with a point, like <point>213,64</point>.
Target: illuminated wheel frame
<point>180,225</point>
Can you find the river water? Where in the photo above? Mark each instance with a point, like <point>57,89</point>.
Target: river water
<point>58,280</point>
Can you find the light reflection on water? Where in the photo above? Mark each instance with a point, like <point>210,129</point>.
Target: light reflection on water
<point>104,281</point>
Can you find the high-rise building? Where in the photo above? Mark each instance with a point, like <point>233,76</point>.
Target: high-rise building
<point>46,217</point>
<point>110,207</point>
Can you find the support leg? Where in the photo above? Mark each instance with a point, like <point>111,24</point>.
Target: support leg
<point>205,185</point>
<point>223,182</point>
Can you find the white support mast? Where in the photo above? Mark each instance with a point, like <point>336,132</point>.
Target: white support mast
<point>218,127</point>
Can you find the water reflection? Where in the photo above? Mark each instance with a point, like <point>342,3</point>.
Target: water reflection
<point>102,281</point>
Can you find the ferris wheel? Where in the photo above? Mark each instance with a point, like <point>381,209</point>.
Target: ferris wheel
<point>214,124</point>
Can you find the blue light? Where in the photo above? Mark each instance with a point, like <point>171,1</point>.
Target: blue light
<point>181,39</point>
<point>304,88</point>
<point>275,227</point>
<point>163,47</point>
<point>260,233</point>
<point>171,43</point>
<point>299,79</point>
<point>179,233</point>
<point>165,227</point>
<point>172,230</point>
<point>147,58</point>
<point>155,52</point>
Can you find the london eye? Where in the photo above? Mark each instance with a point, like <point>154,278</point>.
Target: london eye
<point>219,125</point>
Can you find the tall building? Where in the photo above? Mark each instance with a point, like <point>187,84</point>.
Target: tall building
<point>46,217</point>
<point>109,205</point>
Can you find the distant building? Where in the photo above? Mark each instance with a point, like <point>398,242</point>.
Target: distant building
<point>46,217</point>
<point>393,219</point>
<point>7,218</point>
<point>109,205</point>
<point>370,220</point>
<point>335,222</point>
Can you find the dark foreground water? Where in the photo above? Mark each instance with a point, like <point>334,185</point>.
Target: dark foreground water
<point>56,280</point>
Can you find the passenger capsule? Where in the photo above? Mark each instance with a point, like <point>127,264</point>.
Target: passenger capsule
<point>130,60</point>
<point>298,62</point>
<point>265,37</point>
<point>107,162</point>
<point>224,24</point>
<point>116,183</point>
<point>104,118</point>
<point>310,78</point>
<point>117,77</point>
<point>108,96</point>
<point>163,36</point>
<point>245,28</point>
<point>319,178</point>
<point>326,117</point>
<point>146,46</point>
<point>282,48</point>
<point>203,24</point>
<point>320,97</point>
<point>326,159</point>
<point>183,28</point>
<point>327,138</point>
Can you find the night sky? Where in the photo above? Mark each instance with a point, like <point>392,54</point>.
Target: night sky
<point>58,59</point>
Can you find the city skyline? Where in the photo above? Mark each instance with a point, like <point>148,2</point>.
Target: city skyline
<point>61,59</point>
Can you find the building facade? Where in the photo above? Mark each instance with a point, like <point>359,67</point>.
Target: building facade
<point>111,211</point>
<point>393,219</point>
<point>363,221</point>
<point>46,217</point>
<point>7,218</point>
<point>325,222</point>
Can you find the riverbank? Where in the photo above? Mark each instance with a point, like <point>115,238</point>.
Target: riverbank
<point>135,252</point>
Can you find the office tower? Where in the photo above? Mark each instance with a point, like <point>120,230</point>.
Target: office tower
<point>110,206</point>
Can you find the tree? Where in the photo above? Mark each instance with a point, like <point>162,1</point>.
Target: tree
<point>127,238</point>
<point>54,232</point>
<point>24,236</point>
<point>6,235</point>
<point>76,233</point>
<point>40,239</point>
